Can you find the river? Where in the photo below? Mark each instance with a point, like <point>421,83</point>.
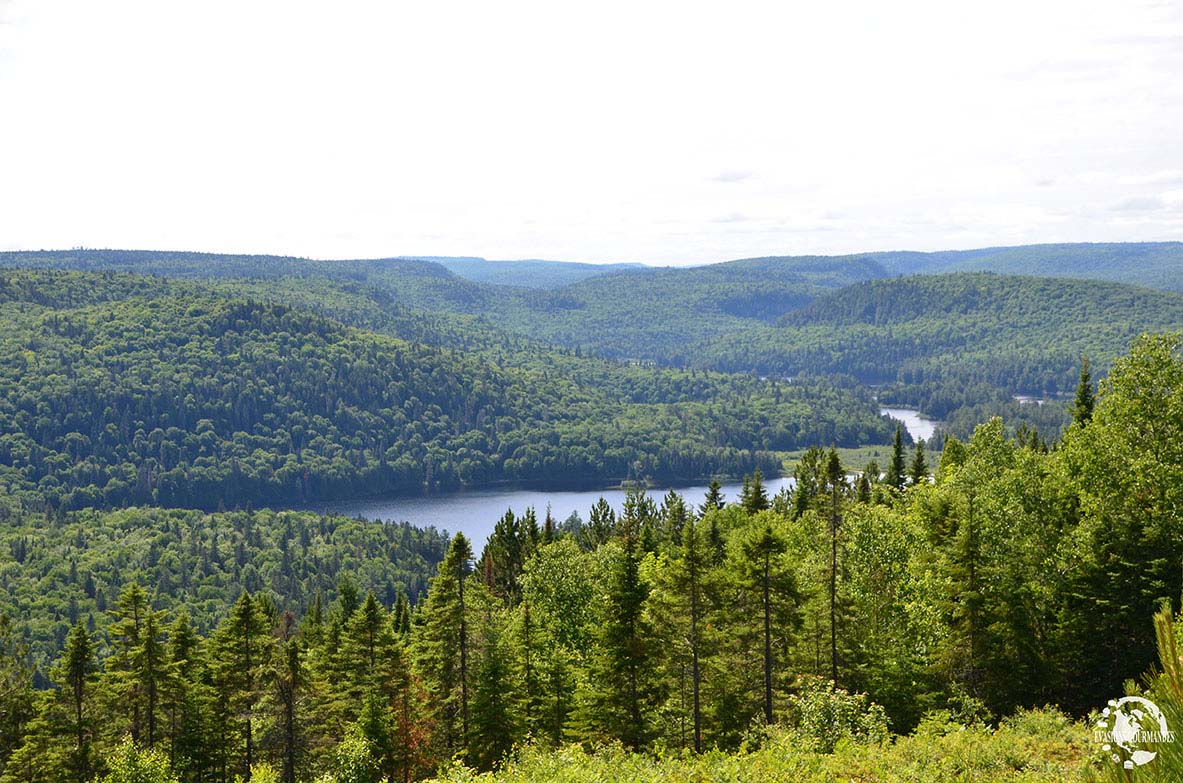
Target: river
<point>474,512</point>
<point>917,426</point>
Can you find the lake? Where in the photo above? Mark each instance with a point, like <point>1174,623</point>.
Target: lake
<point>474,512</point>
<point>917,426</point>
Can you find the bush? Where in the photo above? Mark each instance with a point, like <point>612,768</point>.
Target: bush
<point>823,715</point>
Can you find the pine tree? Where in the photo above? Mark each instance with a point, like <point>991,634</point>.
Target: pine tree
<point>180,698</point>
<point>692,567</point>
<point>808,478</point>
<point>896,469</point>
<point>836,481</point>
<point>713,499</point>
<point>493,732</point>
<point>124,684</point>
<point>674,515</point>
<point>241,652</point>
<point>765,577</point>
<point>75,673</point>
<point>754,498</point>
<point>919,470</point>
<point>441,646</point>
<point>601,524</point>
<point>867,480</point>
<point>622,685</point>
<point>1082,406</point>
<point>288,673</point>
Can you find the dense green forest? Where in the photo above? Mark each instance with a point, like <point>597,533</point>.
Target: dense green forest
<point>1150,264</point>
<point>197,401</point>
<point>933,596</point>
<point>846,316</point>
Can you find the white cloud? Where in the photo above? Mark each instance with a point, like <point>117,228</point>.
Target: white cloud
<point>598,132</point>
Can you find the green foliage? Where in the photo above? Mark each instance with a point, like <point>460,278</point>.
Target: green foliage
<point>191,399</point>
<point>1014,753</point>
<point>822,715</point>
<point>131,764</point>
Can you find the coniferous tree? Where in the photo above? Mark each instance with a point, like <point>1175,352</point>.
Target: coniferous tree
<point>867,480</point>
<point>754,497</point>
<point>601,524</point>
<point>919,469</point>
<point>713,499</point>
<point>241,653</point>
<point>622,686</point>
<point>690,574</point>
<point>674,515</point>
<point>1085,401</point>
<point>896,469</point>
<point>772,584</point>
<point>809,479</point>
<point>441,647</point>
<point>836,483</point>
<point>493,732</point>
<point>288,673</point>
<point>75,673</point>
<point>124,682</point>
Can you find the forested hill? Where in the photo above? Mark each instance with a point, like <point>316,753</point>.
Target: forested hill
<point>641,313</point>
<point>1019,334</point>
<point>525,273</point>
<point>199,400</point>
<point>1151,264</point>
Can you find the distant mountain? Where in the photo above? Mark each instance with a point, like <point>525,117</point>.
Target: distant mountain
<point>526,273</point>
<point>1150,264</point>
<point>117,389</point>
<point>1018,333</point>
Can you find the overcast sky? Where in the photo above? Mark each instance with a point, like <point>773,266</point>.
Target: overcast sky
<point>658,132</point>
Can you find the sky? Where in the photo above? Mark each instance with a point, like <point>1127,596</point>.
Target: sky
<point>665,133</point>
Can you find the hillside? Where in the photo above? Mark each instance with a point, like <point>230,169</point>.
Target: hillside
<point>1151,264</point>
<point>525,273</point>
<point>633,313</point>
<point>74,566</point>
<point>188,400</point>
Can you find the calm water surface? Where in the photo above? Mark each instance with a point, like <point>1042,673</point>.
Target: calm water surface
<point>917,426</point>
<point>474,512</point>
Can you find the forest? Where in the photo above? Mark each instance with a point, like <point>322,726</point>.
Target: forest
<point>204,401</point>
<point>946,615</point>
<point>901,319</point>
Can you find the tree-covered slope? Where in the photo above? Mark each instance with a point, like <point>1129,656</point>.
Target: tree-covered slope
<point>62,568</point>
<point>525,273</point>
<point>1020,334</point>
<point>1151,264</point>
<point>190,400</point>
<point>634,313</point>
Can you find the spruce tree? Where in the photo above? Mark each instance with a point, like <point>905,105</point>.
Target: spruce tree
<point>765,577</point>
<point>713,499</point>
<point>919,470</point>
<point>1082,406</point>
<point>75,673</point>
<point>441,646</point>
<point>623,691</point>
<point>492,734</point>
<point>836,482</point>
<point>241,653</point>
<point>754,498</point>
<point>896,469</point>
